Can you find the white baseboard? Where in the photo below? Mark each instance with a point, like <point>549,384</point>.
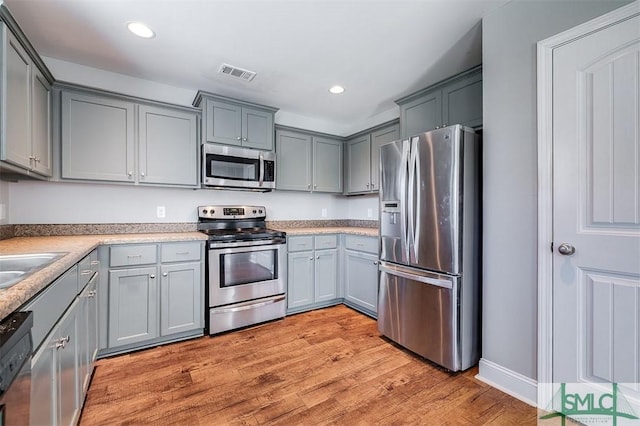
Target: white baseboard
<point>509,382</point>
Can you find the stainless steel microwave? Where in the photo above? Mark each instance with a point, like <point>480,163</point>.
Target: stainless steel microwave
<point>230,167</point>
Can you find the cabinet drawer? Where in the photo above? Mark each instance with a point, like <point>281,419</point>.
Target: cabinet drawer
<point>85,272</point>
<point>302,243</point>
<point>179,252</point>
<point>49,305</point>
<point>130,255</point>
<point>360,243</point>
<point>326,242</point>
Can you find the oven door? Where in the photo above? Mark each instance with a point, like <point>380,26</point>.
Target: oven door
<point>239,272</point>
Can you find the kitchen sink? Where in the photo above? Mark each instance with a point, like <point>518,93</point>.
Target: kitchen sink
<point>16,267</point>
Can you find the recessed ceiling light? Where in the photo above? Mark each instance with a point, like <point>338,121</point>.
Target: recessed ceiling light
<point>336,89</point>
<point>141,29</point>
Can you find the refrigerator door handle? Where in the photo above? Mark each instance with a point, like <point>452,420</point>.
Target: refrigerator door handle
<point>413,274</point>
<point>411,238</point>
<point>404,163</point>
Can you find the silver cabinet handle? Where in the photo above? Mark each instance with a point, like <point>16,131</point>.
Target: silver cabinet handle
<point>87,272</point>
<point>373,185</point>
<point>315,186</point>
<point>311,258</point>
<point>375,262</point>
<point>309,186</point>
<point>244,139</point>
<point>91,294</point>
<point>142,174</point>
<point>238,138</point>
<point>95,262</point>
<point>566,249</point>
<point>318,257</point>
<point>367,185</point>
<point>152,276</point>
<point>164,274</point>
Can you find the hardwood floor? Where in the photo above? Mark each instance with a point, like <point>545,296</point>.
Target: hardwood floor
<point>328,366</point>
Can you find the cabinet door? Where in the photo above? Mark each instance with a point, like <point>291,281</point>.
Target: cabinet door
<point>133,306</point>
<point>257,129</point>
<point>180,298</point>
<point>16,141</point>
<point>327,165</point>
<point>293,162</point>
<point>462,101</point>
<point>223,122</point>
<point>359,165</point>
<point>300,279</point>
<point>44,411</point>
<point>87,333</point>
<point>68,389</point>
<point>361,279</point>
<point>326,275</point>
<point>97,138</point>
<point>422,114</point>
<point>168,146</point>
<point>41,123</point>
<point>378,138</point>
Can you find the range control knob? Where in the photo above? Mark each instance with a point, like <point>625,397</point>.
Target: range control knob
<point>212,212</point>
<point>260,211</point>
<point>204,211</point>
<point>254,212</point>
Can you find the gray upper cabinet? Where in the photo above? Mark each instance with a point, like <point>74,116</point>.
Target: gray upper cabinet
<point>308,162</point>
<point>97,138</point>
<point>110,138</point>
<point>363,158</point>
<point>25,122</point>
<point>168,146</point>
<point>457,100</point>
<point>233,122</point>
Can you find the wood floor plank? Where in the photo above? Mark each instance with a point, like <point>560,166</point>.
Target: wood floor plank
<point>328,366</point>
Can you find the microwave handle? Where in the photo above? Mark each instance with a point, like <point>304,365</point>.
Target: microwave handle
<point>261,170</point>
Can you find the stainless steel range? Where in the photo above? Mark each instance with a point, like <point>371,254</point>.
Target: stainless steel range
<point>246,267</point>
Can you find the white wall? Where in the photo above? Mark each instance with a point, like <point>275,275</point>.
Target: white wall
<point>510,33</point>
<point>362,207</point>
<point>4,203</point>
<point>54,202</point>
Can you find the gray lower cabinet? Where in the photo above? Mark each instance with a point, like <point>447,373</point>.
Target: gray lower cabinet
<point>308,162</point>
<point>116,139</point>
<point>234,122</point>
<point>362,165</point>
<point>312,272</point>
<point>65,343</point>
<point>155,293</point>
<point>457,100</point>
<point>25,140</point>
<point>361,273</point>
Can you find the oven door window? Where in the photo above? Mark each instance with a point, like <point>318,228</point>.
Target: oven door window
<point>248,267</point>
<point>233,168</point>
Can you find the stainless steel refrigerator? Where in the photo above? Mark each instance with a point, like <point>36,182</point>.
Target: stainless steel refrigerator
<point>430,228</point>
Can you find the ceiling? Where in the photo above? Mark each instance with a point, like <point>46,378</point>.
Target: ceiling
<point>378,50</point>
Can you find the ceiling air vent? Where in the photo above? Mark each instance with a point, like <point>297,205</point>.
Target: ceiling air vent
<point>236,72</point>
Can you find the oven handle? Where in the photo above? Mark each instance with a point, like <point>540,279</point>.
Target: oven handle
<point>269,242</point>
<point>248,305</point>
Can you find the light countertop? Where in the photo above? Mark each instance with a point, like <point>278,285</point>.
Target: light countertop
<point>351,230</point>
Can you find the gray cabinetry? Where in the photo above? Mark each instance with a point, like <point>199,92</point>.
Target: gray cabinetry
<point>25,124</point>
<point>155,294</point>
<point>363,158</point>
<point>457,100</point>
<point>312,272</point>
<point>233,122</point>
<point>65,343</point>
<point>308,162</point>
<point>133,305</point>
<point>111,138</point>
<point>361,273</point>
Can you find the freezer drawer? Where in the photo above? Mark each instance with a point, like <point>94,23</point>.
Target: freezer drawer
<point>419,310</point>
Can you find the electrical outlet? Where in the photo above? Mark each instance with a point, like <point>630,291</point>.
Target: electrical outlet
<point>324,212</point>
<point>160,211</point>
<point>369,212</point>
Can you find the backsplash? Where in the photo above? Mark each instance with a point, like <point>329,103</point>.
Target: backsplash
<point>9,231</point>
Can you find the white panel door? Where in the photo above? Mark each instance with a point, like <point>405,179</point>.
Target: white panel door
<point>596,209</point>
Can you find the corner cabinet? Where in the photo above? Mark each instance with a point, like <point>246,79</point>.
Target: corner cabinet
<point>362,165</point>
<point>117,139</point>
<point>312,272</point>
<point>308,162</point>
<point>361,273</point>
<point>155,295</point>
<point>233,122</point>
<point>25,123</point>
<point>457,100</point>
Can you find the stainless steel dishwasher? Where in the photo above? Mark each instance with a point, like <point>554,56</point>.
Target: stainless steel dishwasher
<point>16,347</point>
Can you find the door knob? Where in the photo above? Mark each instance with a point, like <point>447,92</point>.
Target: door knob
<point>566,249</point>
